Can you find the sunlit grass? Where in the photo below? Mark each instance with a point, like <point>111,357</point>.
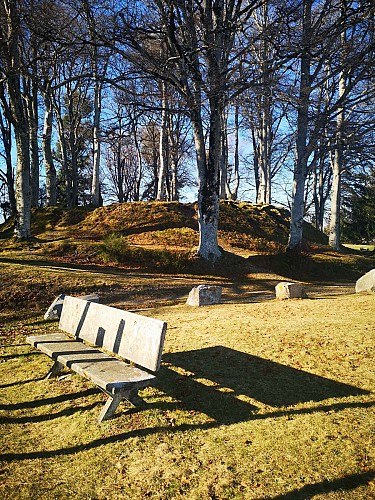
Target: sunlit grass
<point>256,398</point>
<point>365,248</point>
<point>253,401</point>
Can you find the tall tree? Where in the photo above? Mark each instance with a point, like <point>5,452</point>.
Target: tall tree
<point>7,175</point>
<point>11,34</point>
<point>199,38</point>
<point>302,153</point>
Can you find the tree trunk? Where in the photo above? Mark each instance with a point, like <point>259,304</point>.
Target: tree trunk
<point>6,133</point>
<point>163,147</point>
<point>224,157</point>
<point>34,151</point>
<point>264,152</point>
<point>256,162</point>
<point>73,199</point>
<point>95,186</point>
<point>234,190</point>
<point>23,192</point>
<point>47,153</point>
<point>18,117</point>
<point>334,227</point>
<point>300,169</point>
<point>208,197</point>
<point>65,161</point>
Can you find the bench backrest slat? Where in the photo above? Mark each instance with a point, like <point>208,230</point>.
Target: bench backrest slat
<point>134,337</point>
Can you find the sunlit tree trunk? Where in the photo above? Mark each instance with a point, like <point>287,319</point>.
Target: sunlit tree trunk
<point>49,165</point>
<point>163,146</point>
<point>224,157</point>
<point>337,167</point>
<point>30,85</point>
<point>95,185</point>
<point>208,196</point>
<point>18,117</point>
<point>236,173</point>
<point>300,168</point>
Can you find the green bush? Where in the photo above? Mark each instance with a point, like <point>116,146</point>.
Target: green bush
<point>114,248</point>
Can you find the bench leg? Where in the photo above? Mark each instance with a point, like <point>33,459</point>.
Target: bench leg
<point>55,370</point>
<point>110,407</point>
<point>135,398</point>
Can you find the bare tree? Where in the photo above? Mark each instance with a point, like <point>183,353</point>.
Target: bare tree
<point>7,175</point>
<point>15,110</point>
<point>199,38</point>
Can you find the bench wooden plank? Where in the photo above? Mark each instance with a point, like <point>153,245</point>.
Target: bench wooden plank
<point>133,337</point>
<point>107,372</point>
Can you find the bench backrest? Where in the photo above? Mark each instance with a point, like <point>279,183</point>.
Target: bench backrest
<point>134,337</point>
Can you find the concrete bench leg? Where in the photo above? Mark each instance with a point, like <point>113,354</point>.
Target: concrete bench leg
<point>113,401</point>
<point>135,398</point>
<point>55,370</point>
<point>110,407</point>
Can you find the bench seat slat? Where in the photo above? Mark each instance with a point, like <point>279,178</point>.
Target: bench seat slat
<point>109,373</point>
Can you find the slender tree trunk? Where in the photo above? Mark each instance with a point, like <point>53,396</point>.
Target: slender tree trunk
<point>6,133</point>
<point>300,169</point>
<point>236,173</point>
<point>34,147</point>
<point>95,186</point>
<point>334,227</point>
<point>47,153</point>
<point>138,180</point>
<point>18,117</point>
<point>73,199</point>
<point>23,191</point>
<point>224,157</point>
<point>264,156</point>
<point>163,147</point>
<point>65,161</point>
<point>256,163</point>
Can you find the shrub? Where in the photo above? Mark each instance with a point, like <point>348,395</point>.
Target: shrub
<point>114,248</point>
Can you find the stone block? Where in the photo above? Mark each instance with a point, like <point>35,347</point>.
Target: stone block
<point>366,284</point>
<point>287,290</point>
<point>54,310</point>
<point>204,295</point>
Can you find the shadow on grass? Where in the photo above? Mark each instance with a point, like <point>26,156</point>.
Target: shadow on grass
<point>345,483</point>
<point>48,401</point>
<point>210,384</point>
<point>260,379</point>
<point>21,355</point>
<point>21,382</point>
<point>48,416</point>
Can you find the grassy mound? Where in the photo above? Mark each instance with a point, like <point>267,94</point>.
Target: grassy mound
<point>242,225</point>
<point>163,236</point>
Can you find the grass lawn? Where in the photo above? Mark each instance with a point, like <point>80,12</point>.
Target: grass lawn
<point>365,248</point>
<point>256,398</point>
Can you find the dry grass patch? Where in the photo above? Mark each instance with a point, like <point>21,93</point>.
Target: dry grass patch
<point>270,400</point>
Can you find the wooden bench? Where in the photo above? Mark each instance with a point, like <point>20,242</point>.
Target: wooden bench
<point>95,333</point>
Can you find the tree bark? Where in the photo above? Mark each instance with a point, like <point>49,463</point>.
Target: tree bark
<point>6,133</point>
<point>300,169</point>
<point>34,147</point>
<point>18,117</point>
<point>208,196</point>
<point>23,192</point>
<point>334,227</point>
<point>163,146</point>
<point>95,186</point>
<point>47,153</point>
